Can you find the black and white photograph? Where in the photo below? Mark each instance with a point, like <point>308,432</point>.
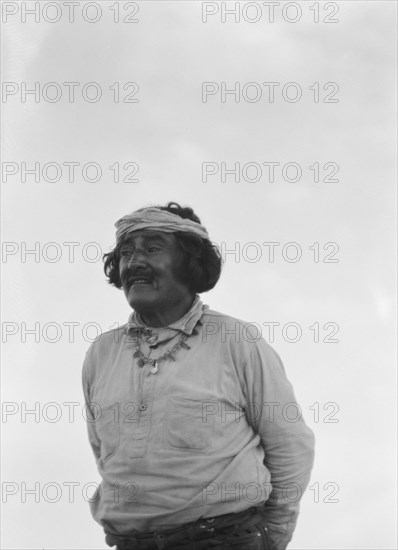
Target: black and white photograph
<point>199,248</point>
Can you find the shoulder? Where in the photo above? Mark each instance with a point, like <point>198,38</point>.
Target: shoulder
<point>231,327</point>
<point>245,337</point>
<point>106,342</point>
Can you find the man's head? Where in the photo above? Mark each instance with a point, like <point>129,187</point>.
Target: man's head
<point>162,258</point>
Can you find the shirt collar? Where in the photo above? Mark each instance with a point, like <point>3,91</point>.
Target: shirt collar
<point>185,324</point>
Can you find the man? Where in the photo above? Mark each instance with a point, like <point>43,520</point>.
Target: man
<point>191,420</point>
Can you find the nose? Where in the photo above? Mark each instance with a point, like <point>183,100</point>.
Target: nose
<point>136,257</point>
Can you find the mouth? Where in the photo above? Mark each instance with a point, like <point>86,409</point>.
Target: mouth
<point>138,282</point>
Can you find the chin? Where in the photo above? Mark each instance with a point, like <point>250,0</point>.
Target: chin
<point>140,304</point>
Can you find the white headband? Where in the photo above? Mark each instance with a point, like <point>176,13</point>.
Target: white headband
<point>158,220</point>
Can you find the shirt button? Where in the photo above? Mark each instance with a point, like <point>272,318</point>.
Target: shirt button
<point>143,407</point>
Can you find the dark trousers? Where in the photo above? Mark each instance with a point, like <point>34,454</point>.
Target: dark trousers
<point>242,531</point>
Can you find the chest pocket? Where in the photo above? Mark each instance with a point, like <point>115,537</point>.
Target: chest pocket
<point>108,430</point>
<point>188,426</point>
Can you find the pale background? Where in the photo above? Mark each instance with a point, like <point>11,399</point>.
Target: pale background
<point>169,133</point>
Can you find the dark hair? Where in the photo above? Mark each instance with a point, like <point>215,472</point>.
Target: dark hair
<point>201,262</point>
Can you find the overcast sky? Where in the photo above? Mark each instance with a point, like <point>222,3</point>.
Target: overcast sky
<point>280,132</point>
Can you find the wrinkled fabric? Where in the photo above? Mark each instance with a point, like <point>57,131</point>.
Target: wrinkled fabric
<point>205,436</point>
<point>157,220</point>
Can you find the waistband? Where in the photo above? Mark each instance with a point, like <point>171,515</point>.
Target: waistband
<point>201,529</point>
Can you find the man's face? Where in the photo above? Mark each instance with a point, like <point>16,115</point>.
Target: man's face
<point>148,264</point>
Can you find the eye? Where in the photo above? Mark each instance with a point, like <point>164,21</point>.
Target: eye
<point>153,248</point>
<point>126,252</point>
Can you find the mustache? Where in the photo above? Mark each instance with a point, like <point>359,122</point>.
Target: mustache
<point>128,275</point>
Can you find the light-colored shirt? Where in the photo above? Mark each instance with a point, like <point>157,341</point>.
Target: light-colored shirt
<point>211,433</point>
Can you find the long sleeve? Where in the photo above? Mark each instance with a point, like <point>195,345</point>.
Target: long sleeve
<point>288,443</point>
<point>90,408</point>
<point>153,432</point>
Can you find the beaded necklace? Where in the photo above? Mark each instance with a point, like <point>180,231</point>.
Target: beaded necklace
<point>168,355</point>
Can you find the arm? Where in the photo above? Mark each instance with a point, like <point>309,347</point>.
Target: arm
<point>90,414</point>
<point>287,442</point>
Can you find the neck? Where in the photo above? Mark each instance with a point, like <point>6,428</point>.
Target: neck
<point>157,319</point>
